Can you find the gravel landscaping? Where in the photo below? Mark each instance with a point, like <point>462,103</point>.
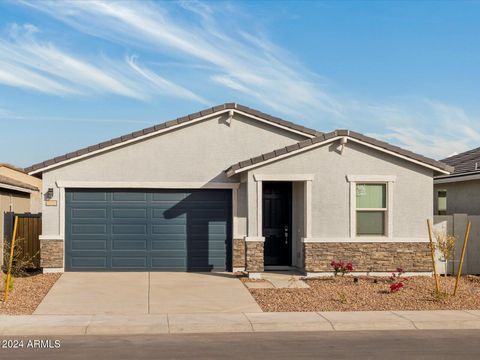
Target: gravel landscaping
<point>343,294</point>
<point>27,293</point>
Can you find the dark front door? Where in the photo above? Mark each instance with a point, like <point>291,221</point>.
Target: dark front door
<point>277,215</point>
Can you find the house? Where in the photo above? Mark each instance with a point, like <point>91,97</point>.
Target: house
<point>19,193</point>
<point>459,192</point>
<point>231,188</point>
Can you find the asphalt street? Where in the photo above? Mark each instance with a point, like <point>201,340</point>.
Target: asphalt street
<point>391,345</point>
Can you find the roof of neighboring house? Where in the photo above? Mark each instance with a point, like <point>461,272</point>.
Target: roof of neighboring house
<point>465,163</point>
<point>182,120</point>
<point>13,167</point>
<point>8,182</point>
<point>326,137</point>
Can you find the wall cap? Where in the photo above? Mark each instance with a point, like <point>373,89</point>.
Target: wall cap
<point>254,238</point>
<point>357,240</point>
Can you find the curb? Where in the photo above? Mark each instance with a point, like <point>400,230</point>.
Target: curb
<point>49,325</point>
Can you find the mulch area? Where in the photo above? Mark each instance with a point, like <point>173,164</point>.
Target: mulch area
<point>343,294</point>
<point>26,294</point>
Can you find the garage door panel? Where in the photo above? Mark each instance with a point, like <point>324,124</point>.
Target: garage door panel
<point>89,196</point>
<point>180,253</point>
<point>168,244</point>
<point>166,229</point>
<point>89,262</point>
<point>85,244</point>
<point>129,213</point>
<point>89,229</point>
<point>129,244</point>
<point>129,229</point>
<point>163,230</point>
<point>166,214</point>
<point>89,213</point>
<point>172,196</point>
<point>129,262</point>
<point>129,196</point>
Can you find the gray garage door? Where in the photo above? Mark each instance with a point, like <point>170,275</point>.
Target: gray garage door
<point>153,230</point>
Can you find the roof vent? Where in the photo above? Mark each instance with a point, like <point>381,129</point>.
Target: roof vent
<point>476,166</point>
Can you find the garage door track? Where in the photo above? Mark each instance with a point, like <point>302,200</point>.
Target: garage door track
<point>134,293</point>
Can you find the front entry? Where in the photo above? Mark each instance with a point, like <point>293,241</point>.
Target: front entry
<point>277,223</point>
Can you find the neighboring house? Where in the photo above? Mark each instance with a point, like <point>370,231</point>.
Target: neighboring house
<point>19,193</point>
<point>459,192</point>
<point>231,188</point>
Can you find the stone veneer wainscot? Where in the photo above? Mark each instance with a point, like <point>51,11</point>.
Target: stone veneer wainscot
<point>367,257</point>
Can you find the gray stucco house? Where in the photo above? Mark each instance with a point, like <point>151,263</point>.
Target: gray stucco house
<point>459,191</point>
<point>231,188</point>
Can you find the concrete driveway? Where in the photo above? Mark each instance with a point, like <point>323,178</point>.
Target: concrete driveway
<point>135,293</point>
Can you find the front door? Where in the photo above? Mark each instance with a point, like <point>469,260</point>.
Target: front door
<point>277,215</point>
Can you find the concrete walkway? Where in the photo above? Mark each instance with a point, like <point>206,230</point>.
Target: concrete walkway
<point>143,293</point>
<point>235,322</point>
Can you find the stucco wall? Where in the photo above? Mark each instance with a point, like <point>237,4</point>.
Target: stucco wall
<point>196,153</point>
<point>297,223</point>
<point>412,197</point>
<point>463,197</point>
<point>35,203</point>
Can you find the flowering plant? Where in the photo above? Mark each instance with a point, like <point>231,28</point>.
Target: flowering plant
<point>341,267</point>
<point>396,280</point>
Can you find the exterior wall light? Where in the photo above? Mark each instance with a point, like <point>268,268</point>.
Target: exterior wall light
<point>49,194</point>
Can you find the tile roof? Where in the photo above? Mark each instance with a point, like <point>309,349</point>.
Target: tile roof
<point>12,167</point>
<point>326,136</point>
<point>170,123</point>
<point>465,163</point>
<point>5,180</point>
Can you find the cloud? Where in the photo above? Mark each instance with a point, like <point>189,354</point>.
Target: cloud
<point>429,127</point>
<point>31,64</point>
<point>7,116</point>
<point>209,36</point>
<point>224,47</point>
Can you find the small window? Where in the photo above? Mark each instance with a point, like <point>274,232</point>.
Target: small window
<point>371,209</point>
<point>442,202</point>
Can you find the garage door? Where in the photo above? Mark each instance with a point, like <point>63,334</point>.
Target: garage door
<point>153,230</point>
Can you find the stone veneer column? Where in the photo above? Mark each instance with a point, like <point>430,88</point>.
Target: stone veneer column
<point>238,262</point>
<point>51,253</point>
<point>254,258</point>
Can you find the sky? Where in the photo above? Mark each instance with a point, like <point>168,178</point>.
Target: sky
<point>75,73</point>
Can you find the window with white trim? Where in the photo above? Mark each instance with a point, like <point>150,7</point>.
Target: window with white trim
<point>371,209</point>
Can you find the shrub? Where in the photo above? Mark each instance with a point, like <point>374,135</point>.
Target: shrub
<point>20,264</point>
<point>341,267</point>
<point>396,280</point>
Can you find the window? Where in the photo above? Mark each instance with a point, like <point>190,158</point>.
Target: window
<point>442,202</point>
<point>371,209</point>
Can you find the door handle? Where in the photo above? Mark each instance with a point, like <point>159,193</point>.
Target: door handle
<point>286,234</point>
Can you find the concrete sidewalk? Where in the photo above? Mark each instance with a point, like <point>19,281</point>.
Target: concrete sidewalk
<point>49,325</point>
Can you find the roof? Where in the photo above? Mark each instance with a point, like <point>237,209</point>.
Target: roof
<point>12,167</point>
<point>331,136</point>
<point>9,182</point>
<point>465,163</point>
<point>151,131</point>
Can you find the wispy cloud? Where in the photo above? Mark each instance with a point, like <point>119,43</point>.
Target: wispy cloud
<point>430,128</point>
<point>247,64</point>
<point>7,116</point>
<point>28,63</point>
<point>208,40</point>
